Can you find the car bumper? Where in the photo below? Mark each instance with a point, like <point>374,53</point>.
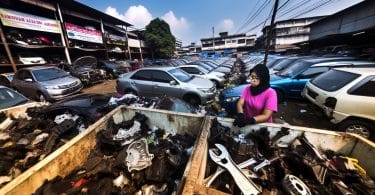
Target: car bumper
<point>57,94</point>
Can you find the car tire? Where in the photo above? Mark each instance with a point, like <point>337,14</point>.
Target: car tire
<point>192,99</point>
<point>41,97</point>
<point>280,96</point>
<point>357,126</point>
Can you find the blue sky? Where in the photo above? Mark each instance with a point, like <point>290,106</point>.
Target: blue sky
<point>193,19</point>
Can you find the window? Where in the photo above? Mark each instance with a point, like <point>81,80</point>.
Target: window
<point>161,77</point>
<point>234,41</point>
<point>334,80</point>
<point>240,41</point>
<point>313,71</point>
<point>144,75</point>
<point>191,70</point>
<point>180,75</point>
<point>48,74</point>
<point>365,89</point>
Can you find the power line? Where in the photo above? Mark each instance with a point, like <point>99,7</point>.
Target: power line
<point>248,16</point>
<point>311,9</point>
<point>255,15</point>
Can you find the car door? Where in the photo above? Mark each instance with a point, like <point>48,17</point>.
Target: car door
<point>142,82</point>
<point>162,84</point>
<point>25,83</point>
<point>299,81</point>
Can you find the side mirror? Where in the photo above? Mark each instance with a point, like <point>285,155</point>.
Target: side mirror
<point>173,82</point>
<point>28,80</point>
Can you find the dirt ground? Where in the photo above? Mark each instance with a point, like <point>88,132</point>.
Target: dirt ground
<point>293,112</point>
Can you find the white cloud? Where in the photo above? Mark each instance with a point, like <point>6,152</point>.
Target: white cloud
<point>180,27</point>
<point>225,25</point>
<point>139,16</point>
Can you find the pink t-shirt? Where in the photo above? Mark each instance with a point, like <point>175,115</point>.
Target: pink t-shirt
<point>254,105</point>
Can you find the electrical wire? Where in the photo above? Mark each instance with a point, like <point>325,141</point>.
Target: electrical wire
<point>255,15</point>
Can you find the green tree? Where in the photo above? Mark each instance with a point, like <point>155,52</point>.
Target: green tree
<point>159,39</point>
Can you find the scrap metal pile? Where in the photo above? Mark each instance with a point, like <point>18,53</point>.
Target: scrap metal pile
<point>254,163</point>
<point>129,158</point>
<point>26,140</point>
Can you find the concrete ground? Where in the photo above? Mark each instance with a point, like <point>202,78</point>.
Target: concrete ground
<point>293,112</point>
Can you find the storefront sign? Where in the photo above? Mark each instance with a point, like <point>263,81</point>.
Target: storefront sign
<point>27,21</point>
<point>83,34</point>
<point>116,38</point>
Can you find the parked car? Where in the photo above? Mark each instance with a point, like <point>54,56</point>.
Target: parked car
<point>10,98</point>
<point>169,81</point>
<point>196,70</point>
<point>30,58</point>
<point>89,106</point>
<point>45,83</point>
<point>85,69</point>
<point>347,96</point>
<point>114,69</point>
<point>290,82</point>
<point>6,79</point>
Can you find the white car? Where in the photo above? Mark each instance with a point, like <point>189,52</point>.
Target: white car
<point>30,58</point>
<point>215,77</point>
<point>347,96</point>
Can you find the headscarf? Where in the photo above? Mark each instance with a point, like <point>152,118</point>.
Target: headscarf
<point>264,78</point>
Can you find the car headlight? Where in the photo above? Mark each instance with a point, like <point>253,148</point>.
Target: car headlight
<point>204,90</point>
<point>52,87</point>
<point>231,99</point>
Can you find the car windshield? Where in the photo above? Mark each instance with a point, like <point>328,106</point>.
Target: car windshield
<point>334,80</point>
<point>206,67</point>
<point>294,69</point>
<point>180,75</point>
<point>283,64</point>
<point>202,70</point>
<point>49,74</point>
<point>9,98</point>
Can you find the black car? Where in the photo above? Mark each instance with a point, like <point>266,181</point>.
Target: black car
<point>90,107</point>
<point>85,69</point>
<point>114,69</point>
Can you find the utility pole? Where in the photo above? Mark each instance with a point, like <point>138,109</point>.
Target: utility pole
<point>270,32</point>
<point>213,38</point>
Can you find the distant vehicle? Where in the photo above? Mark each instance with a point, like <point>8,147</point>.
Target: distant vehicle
<point>169,81</point>
<point>6,79</point>
<point>45,83</point>
<point>196,70</point>
<point>290,82</point>
<point>114,69</point>
<point>30,58</point>
<point>10,98</point>
<point>85,68</point>
<point>347,97</point>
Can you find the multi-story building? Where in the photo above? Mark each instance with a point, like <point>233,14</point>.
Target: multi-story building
<point>226,44</point>
<point>191,49</point>
<point>178,44</point>
<point>286,33</point>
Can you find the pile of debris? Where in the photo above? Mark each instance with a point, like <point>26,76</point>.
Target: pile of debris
<point>26,140</point>
<point>254,163</point>
<point>129,158</point>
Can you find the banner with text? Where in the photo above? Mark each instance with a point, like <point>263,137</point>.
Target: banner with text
<point>28,21</point>
<point>83,33</point>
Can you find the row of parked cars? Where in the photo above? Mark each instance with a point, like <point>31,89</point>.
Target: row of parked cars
<point>342,86</point>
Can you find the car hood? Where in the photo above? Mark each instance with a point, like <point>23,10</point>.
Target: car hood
<point>216,74</point>
<point>83,68</point>
<point>234,91</point>
<point>201,82</point>
<point>64,81</point>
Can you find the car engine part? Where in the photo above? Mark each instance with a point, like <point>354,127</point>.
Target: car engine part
<point>294,186</point>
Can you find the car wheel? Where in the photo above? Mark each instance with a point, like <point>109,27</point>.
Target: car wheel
<point>193,100</point>
<point>42,98</point>
<point>280,96</point>
<point>357,126</point>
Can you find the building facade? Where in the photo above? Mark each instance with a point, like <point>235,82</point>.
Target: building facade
<point>227,44</point>
<point>287,33</point>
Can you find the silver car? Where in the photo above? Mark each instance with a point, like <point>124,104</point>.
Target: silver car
<point>45,83</point>
<point>169,81</point>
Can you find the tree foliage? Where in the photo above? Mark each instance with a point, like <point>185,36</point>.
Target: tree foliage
<point>159,39</point>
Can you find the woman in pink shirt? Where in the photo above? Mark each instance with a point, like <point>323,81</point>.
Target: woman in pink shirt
<point>258,101</point>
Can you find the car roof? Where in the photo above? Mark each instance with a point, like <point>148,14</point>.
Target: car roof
<point>320,59</point>
<point>362,70</point>
<point>37,67</point>
<point>189,65</point>
<point>165,68</point>
<point>348,63</point>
